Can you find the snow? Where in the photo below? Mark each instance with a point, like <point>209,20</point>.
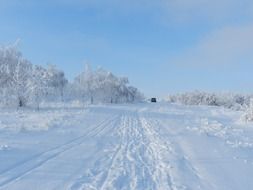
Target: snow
<point>137,146</point>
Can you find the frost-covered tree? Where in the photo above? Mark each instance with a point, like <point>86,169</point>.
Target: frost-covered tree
<point>56,81</point>
<point>86,84</point>
<point>103,86</point>
<point>133,94</point>
<point>21,79</point>
<point>110,86</point>
<point>14,76</point>
<point>39,85</point>
<point>8,57</point>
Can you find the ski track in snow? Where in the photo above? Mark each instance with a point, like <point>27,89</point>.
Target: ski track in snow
<point>16,173</point>
<point>141,147</point>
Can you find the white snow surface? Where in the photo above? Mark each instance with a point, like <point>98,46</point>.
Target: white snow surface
<point>130,147</point>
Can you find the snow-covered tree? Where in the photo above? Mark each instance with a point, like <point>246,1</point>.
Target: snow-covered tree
<point>86,84</point>
<point>14,76</point>
<point>103,86</point>
<point>38,85</point>
<point>21,77</point>
<point>56,81</point>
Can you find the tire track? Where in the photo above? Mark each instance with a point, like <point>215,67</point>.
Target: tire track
<point>98,180</point>
<point>69,181</point>
<point>159,151</point>
<point>138,161</point>
<point>180,162</point>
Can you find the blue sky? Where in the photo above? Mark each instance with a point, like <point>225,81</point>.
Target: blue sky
<point>163,46</point>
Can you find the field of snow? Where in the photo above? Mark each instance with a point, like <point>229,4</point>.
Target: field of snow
<point>129,147</point>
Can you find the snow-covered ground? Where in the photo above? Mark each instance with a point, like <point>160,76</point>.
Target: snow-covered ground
<point>130,147</point>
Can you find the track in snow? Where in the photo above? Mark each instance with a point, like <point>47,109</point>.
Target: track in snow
<point>138,162</point>
<point>139,147</point>
<point>15,174</point>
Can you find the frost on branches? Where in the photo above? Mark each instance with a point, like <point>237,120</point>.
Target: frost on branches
<point>14,77</point>
<point>24,84</point>
<point>102,86</point>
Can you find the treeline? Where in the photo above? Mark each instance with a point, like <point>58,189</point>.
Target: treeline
<point>25,84</point>
<point>227,100</point>
<point>233,101</point>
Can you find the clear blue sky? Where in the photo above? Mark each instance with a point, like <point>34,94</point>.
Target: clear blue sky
<point>163,46</point>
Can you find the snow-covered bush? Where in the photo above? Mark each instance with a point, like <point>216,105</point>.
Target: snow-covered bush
<point>248,116</point>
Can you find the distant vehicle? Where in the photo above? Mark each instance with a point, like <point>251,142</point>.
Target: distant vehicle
<point>153,100</point>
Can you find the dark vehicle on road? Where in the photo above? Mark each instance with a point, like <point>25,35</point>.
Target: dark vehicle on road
<point>153,100</point>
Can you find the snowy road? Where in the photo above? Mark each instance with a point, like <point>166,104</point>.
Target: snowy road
<point>129,147</point>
